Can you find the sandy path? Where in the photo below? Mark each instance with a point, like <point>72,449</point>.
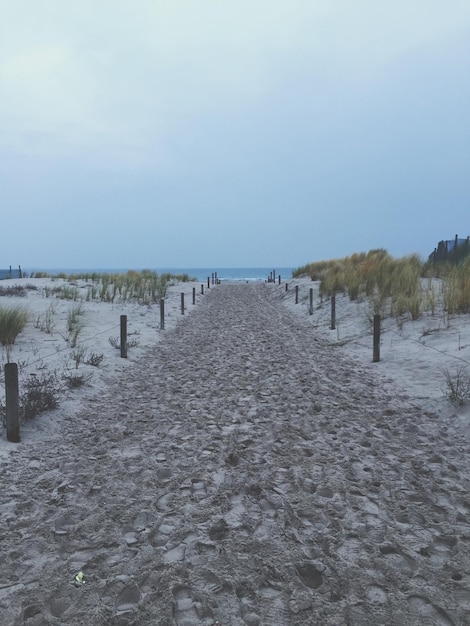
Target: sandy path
<point>241,475</point>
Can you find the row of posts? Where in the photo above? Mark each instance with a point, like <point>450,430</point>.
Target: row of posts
<point>11,369</point>
<point>376,330</point>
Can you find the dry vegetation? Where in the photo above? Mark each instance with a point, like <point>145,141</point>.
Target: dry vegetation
<point>394,286</point>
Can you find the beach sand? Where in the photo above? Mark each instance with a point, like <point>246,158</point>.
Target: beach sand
<point>246,466</point>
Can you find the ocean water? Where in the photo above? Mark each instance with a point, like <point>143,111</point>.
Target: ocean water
<point>228,274</point>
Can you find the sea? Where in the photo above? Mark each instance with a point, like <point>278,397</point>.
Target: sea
<point>224,274</point>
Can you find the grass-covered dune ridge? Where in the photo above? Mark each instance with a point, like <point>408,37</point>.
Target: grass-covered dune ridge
<point>394,285</point>
<point>145,286</point>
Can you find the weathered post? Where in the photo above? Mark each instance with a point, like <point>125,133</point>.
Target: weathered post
<point>194,295</point>
<point>12,397</point>
<point>124,336</point>
<point>287,286</point>
<point>213,278</point>
<point>310,308</point>
<point>162,314</point>
<point>274,276</point>
<point>216,279</point>
<point>202,290</point>
<point>208,282</point>
<point>376,356</point>
<point>279,279</point>
<point>182,303</point>
<point>333,312</point>
<point>297,294</point>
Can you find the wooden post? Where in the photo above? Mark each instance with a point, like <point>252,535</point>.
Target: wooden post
<point>297,294</point>
<point>124,336</point>
<point>182,303</point>
<point>162,314</point>
<point>376,356</point>
<point>202,289</point>
<point>208,282</point>
<point>310,309</point>
<point>213,278</point>
<point>12,397</point>
<point>216,279</point>
<point>274,276</point>
<point>279,279</point>
<point>287,286</point>
<point>333,312</point>
<point>194,295</point>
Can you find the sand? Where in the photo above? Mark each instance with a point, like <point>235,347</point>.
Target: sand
<point>246,466</point>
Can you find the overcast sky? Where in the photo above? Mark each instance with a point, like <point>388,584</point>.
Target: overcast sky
<point>219,133</point>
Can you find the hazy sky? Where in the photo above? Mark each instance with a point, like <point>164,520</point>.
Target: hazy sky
<point>231,133</point>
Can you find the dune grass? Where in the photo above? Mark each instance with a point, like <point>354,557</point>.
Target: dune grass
<point>145,286</point>
<point>13,319</point>
<point>393,286</point>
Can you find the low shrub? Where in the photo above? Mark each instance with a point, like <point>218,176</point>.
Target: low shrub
<point>457,386</point>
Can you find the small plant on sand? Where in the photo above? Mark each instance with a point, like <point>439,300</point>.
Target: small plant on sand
<point>457,385</point>
<point>75,325</point>
<point>12,322</point>
<point>94,359</point>
<point>75,381</point>
<point>47,323</point>
<point>38,394</point>
<point>131,343</point>
<point>78,355</point>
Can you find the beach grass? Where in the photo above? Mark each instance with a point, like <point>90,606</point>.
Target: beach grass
<point>13,319</point>
<point>145,286</point>
<point>394,286</point>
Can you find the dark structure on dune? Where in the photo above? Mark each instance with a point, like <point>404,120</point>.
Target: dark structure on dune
<point>451,251</point>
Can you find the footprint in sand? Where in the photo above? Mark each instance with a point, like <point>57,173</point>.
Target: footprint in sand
<point>127,599</point>
<point>58,606</point>
<point>184,611</point>
<point>422,607</point>
<point>310,575</point>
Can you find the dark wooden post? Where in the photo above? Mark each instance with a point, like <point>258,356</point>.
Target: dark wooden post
<point>279,279</point>
<point>287,286</point>
<point>310,309</point>
<point>297,294</point>
<point>333,312</point>
<point>182,303</point>
<point>213,278</point>
<point>12,397</point>
<point>202,289</point>
<point>274,276</point>
<point>376,357</point>
<point>124,336</point>
<point>162,314</point>
<point>216,279</point>
<point>208,282</point>
<point>194,295</point>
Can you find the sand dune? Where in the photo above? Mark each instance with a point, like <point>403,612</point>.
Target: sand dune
<point>246,466</point>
